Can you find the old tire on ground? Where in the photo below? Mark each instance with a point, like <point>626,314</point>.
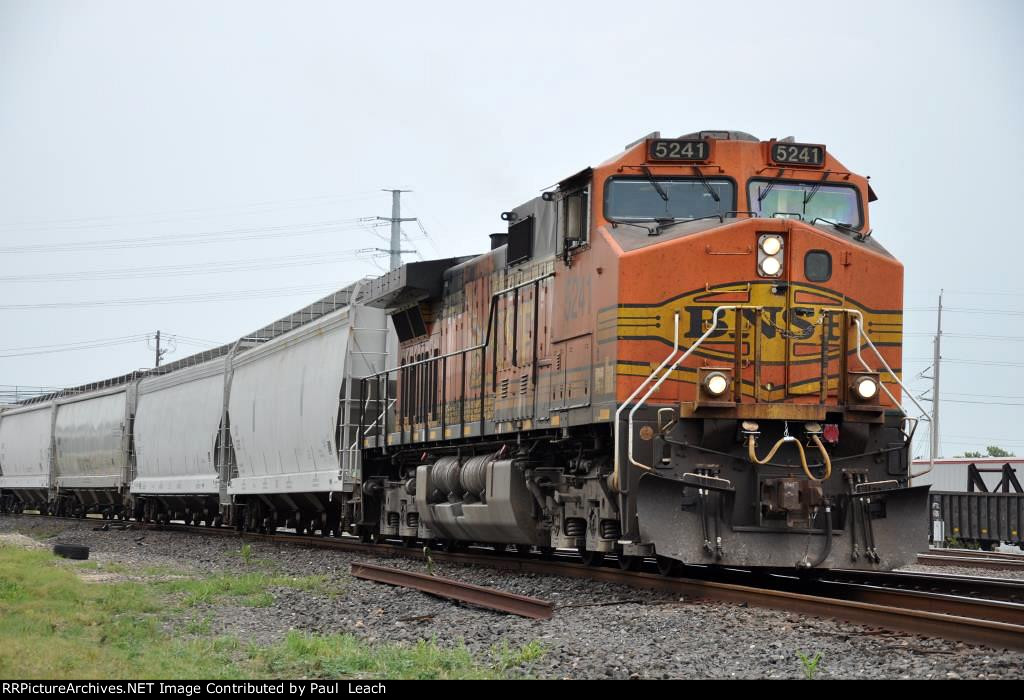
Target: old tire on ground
<point>71,551</point>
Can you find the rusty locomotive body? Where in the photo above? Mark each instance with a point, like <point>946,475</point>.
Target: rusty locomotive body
<point>690,352</point>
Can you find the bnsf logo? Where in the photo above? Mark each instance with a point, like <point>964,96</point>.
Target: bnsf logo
<point>796,322</point>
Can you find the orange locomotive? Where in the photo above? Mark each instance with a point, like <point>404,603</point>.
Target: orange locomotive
<point>690,352</point>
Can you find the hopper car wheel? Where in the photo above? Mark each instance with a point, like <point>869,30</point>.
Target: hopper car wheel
<point>629,562</point>
<point>450,545</point>
<point>667,566</point>
<point>409,541</point>
<point>218,520</point>
<point>71,551</point>
<point>334,526</point>
<point>590,557</point>
<point>546,552</point>
<point>314,526</point>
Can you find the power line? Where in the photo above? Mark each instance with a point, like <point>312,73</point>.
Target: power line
<point>99,343</point>
<point>986,293</point>
<point>222,267</point>
<point>970,336</point>
<point>109,221</point>
<point>977,438</point>
<point>205,297</point>
<point>73,343</point>
<point>188,239</point>
<point>986,363</point>
<point>984,396</point>
<point>982,403</point>
<point>72,348</point>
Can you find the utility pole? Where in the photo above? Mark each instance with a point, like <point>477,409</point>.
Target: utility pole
<point>396,227</point>
<point>936,446</point>
<point>160,352</point>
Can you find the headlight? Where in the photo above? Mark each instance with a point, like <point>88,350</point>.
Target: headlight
<point>866,388</point>
<point>770,267</point>
<point>771,245</point>
<point>716,383</point>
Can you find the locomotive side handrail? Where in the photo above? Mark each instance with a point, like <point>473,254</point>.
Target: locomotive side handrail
<point>482,347</point>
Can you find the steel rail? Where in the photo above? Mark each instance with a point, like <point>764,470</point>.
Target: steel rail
<point>985,587</point>
<point>969,562</point>
<point>480,596</point>
<point>941,551</point>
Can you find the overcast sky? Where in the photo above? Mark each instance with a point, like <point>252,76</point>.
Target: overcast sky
<point>269,128</point>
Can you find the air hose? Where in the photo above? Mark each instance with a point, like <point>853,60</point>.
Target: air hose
<point>828,539</point>
<point>752,453</point>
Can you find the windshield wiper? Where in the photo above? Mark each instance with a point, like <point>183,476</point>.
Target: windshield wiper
<point>808,196</point>
<point>657,186</point>
<point>704,181</point>
<point>617,222</point>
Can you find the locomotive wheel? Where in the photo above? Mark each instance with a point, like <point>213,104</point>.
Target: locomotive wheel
<point>666,566</point>
<point>590,557</point>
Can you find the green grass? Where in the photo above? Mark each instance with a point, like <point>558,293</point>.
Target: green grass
<point>110,567</point>
<point>54,625</point>
<point>251,587</point>
<point>344,656</point>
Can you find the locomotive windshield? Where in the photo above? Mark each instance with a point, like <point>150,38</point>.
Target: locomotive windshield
<point>810,200</point>
<point>647,199</point>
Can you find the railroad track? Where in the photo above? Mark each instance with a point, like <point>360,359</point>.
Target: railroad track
<point>971,559</point>
<point>970,609</point>
<point>975,553</point>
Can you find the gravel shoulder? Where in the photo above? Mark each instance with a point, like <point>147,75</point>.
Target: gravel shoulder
<point>599,630</point>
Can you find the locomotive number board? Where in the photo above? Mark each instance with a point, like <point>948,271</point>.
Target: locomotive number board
<point>680,150</point>
<point>808,155</point>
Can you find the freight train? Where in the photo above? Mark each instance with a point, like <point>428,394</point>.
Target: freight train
<point>689,353</point>
<point>975,501</point>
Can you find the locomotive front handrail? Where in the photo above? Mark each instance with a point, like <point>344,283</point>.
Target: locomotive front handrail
<point>620,409</point>
<point>861,334</point>
<point>617,474</point>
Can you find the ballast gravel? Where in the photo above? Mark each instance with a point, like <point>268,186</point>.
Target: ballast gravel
<point>599,630</point>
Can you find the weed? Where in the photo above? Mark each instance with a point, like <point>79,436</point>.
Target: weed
<point>810,664</point>
<point>507,658</point>
<point>345,656</point>
<point>199,627</point>
<point>247,553</point>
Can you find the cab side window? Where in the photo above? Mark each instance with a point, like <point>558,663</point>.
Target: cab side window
<point>574,217</point>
